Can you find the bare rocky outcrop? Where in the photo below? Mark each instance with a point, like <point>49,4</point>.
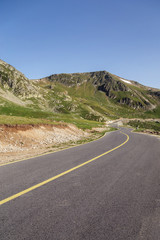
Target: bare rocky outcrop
<point>13,80</point>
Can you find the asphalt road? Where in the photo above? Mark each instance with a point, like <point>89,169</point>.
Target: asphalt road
<point>113,197</point>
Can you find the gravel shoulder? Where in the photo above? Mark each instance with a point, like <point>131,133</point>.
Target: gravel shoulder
<point>25,141</point>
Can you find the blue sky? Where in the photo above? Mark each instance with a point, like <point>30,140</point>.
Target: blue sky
<point>43,37</point>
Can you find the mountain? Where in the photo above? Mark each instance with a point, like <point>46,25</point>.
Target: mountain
<point>94,96</point>
<point>122,91</point>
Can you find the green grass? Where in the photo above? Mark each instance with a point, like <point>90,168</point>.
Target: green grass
<point>76,120</point>
<point>155,113</point>
<point>147,125</point>
<point>51,119</point>
<point>17,110</point>
<point>15,120</point>
<point>11,113</point>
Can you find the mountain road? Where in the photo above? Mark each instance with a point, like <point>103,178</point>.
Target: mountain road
<point>108,189</point>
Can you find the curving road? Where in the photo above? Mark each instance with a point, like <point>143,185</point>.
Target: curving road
<point>107,189</point>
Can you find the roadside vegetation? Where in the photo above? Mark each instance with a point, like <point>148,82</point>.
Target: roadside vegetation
<point>53,120</point>
<point>146,126</point>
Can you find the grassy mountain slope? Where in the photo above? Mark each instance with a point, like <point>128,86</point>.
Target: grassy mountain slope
<point>105,93</point>
<point>81,98</point>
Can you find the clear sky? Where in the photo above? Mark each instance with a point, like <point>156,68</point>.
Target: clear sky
<point>43,37</point>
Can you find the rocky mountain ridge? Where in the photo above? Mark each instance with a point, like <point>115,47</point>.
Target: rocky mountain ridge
<point>121,90</point>
<point>93,95</point>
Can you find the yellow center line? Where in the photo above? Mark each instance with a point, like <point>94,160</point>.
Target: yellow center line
<point>60,175</point>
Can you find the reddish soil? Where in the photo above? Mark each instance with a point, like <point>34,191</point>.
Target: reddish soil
<point>22,141</point>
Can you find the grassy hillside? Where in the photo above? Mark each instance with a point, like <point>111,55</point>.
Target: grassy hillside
<point>152,126</point>
<point>85,99</point>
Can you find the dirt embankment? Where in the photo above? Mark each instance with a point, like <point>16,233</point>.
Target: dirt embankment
<point>21,141</point>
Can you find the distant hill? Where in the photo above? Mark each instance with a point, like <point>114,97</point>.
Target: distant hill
<point>123,91</point>
<point>94,96</point>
